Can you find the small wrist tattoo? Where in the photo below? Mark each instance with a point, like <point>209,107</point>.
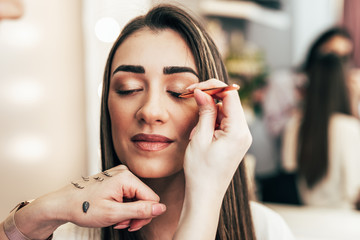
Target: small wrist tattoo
<point>99,179</point>
<point>85,206</point>
<point>106,174</point>
<point>77,185</point>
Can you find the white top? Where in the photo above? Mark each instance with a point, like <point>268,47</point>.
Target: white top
<point>340,187</point>
<point>268,226</point>
<point>318,223</point>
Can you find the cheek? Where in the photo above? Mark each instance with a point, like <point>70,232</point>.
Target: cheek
<point>188,120</point>
<point>121,116</point>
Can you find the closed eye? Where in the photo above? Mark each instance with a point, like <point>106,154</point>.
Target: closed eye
<point>175,94</point>
<point>128,92</point>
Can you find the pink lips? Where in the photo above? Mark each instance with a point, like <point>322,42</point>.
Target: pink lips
<point>151,142</point>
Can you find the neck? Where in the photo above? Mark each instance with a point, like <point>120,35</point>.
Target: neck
<point>171,191</point>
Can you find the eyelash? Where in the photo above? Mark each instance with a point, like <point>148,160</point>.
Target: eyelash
<point>175,94</point>
<point>129,92</point>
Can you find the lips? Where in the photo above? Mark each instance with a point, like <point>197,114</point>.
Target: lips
<point>151,142</point>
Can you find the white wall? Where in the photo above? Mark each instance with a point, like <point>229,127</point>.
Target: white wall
<point>310,18</point>
<point>286,48</point>
<point>42,114</point>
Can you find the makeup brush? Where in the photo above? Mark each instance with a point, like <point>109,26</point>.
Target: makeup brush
<point>211,91</point>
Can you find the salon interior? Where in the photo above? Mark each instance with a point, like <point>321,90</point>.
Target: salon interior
<point>51,64</point>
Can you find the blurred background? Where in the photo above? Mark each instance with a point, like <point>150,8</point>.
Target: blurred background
<point>51,64</point>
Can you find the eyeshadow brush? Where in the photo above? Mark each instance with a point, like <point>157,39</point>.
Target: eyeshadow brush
<point>211,91</point>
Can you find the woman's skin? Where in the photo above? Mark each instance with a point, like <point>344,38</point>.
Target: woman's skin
<point>338,45</point>
<point>11,9</point>
<point>106,205</point>
<point>151,129</point>
<point>151,124</point>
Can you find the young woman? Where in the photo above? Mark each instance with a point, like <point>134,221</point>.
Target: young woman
<point>337,41</point>
<point>322,143</point>
<point>158,147</point>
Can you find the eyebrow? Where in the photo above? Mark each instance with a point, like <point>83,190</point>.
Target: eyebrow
<point>166,70</point>
<point>176,69</point>
<point>130,68</point>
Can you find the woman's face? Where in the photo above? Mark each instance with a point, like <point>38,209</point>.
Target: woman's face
<point>150,124</point>
<point>338,45</point>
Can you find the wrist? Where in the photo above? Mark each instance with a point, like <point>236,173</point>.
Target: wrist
<point>35,221</point>
<point>196,190</point>
<point>203,200</point>
<point>200,214</point>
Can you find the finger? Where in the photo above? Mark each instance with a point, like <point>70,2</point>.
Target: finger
<point>220,114</point>
<point>206,84</point>
<point>134,188</point>
<point>136,224</point>
<point>192,133</point>
<point>207,116</point>
<point>123,224</point>
<point>231,111</point>
<point>126,222</point>
<point>138,210</point>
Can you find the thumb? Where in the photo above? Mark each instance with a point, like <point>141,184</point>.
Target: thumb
<point>207,116</point>
<point>139,210</point>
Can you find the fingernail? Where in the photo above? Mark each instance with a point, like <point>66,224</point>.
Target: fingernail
<point>121,226</point>
<point>158,209</point>
<point>134,229</point>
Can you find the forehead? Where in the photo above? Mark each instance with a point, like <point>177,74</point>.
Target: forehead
<point>154,48</point>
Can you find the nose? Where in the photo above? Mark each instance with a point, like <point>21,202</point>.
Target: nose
<point>153,110</point>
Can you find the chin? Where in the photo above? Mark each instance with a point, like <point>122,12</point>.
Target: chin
<point>153,169</point>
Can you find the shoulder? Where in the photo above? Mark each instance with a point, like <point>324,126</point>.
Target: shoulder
<point>268,224</point>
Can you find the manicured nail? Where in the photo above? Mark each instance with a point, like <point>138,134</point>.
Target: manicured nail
<point>134,229</point>
<point>121,226</point>
<point>158,209</point>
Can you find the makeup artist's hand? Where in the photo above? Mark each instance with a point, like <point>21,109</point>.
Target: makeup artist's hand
<point>11,9</point>
<point>218,144</point>
<point>105,193</point>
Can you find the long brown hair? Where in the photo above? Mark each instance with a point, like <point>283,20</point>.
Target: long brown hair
<point>326,94</point>
<point>235,217</point>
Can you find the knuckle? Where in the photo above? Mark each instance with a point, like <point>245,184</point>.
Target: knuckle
<point>122,167</point>
<point>143,210</point>
<point>207,114</point>
<point>123,171</point>
<point>207,111</point>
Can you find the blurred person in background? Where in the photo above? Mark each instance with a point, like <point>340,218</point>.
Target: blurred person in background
<point>284,97</point>
<point>157,146</point>
<point>338,41</point>
<point>321,141</point>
